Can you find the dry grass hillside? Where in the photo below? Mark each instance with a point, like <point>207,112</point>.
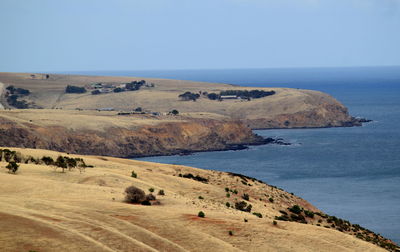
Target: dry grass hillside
<point>287,108</point>
<point>43,209</point>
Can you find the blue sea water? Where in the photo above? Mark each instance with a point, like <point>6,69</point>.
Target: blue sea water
<point>352,173</point>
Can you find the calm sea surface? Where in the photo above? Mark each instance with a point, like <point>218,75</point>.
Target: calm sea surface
<point>352,173</point>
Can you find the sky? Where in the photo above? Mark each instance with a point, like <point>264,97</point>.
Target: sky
<point>90,35</point>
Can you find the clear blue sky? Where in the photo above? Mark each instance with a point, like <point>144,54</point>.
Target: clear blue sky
<point>67,35</point>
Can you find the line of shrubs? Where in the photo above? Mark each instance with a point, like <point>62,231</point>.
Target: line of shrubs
<point>63,162</point>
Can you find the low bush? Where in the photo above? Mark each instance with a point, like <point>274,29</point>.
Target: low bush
<point>271,200</point>
<point>134,195</point>
<point>246,197</point>
<point>133,174</point>
<point>151,189</point>
<point>259,215</point>
<point>295,209</point>
<point>242,206</point>
<point>228,204</point>
<point>197,177</point>
<point>201,214</point>
<point>12,167</point>
<point>161,192</point>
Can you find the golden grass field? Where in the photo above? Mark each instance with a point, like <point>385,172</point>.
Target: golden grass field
<point>46,210</point>
<point>309,108</point>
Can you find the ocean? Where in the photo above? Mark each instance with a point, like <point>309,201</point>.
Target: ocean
<point>352,173</point>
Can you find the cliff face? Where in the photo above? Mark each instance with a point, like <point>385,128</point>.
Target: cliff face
<point>161,139</point>
<point>325,115</point>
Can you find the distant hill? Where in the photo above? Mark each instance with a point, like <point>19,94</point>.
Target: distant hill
<point>286,108</point>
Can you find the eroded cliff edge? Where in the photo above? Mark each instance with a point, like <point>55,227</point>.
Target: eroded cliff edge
<point>147,138</point>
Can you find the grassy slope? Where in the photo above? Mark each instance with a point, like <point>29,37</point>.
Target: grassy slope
<point>164,97</point>
<point>44,210</point>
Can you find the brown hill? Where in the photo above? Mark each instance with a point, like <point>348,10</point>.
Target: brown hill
<point>287,108</point>
<point>46,210</point>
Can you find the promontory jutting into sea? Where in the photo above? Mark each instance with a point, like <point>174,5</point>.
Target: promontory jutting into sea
<point>199,126</point>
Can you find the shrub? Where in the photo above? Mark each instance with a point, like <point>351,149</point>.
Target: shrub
<point>197,177</point>
<point>145,203</point>
<point>226,189</point>
<point>75,89</point>
<point>295,209</point>
<point>245,220</point>
<point>174,112</point>
<point>235,191</point>
<point>259,215</point>
<point>201,214</point>
<point>134,195</point>
<point>230,233</point>
<point>187,96</point>
<point>271,200</point>
<point>275,223</point>
<point>161,192</point>
<point>246,197</point>
<point>309,213</point>
<point>242,206</point>
<point>150,197</point>
<point>213,96</point>
<point>96,92</point>
<point>48,160</point>
<point>228,195</point>
<point>151,189</point>
<point>12,167</point>
<point>118,90</point>
<point>228,204</point>
<point>201,197</point>
<point>133,174</point>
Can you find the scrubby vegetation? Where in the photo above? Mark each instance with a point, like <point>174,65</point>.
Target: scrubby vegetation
<point>136,195</point>
<point>242,206</point>
<point>201,214</point>
<point>13,94</point>
<point>63,162</point>
<point>133,174</point>
<point>75,90</point>
<point>189,96</point>
<point>12,167</point>
<point>298,214</point>
<point>191,176</point>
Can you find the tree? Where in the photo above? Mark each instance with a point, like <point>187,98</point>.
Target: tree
<point>62,163</point>
<point>12,167</point>
<point>74,89</point>
<point>174,112</point>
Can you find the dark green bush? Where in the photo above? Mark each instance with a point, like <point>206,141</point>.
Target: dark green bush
<point>201,214</point>
<point>271,200</point>
<point>242,206</point>
<point>151,189</point>
<point>295,209</point>
<point>12,167</point>
<point>75,89</point>
<point>259,215</point>
<point>246,197</point>
<point>228,204</point>
<point>133,174</point>
<point>48,160</point>
<point>161,192</point>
